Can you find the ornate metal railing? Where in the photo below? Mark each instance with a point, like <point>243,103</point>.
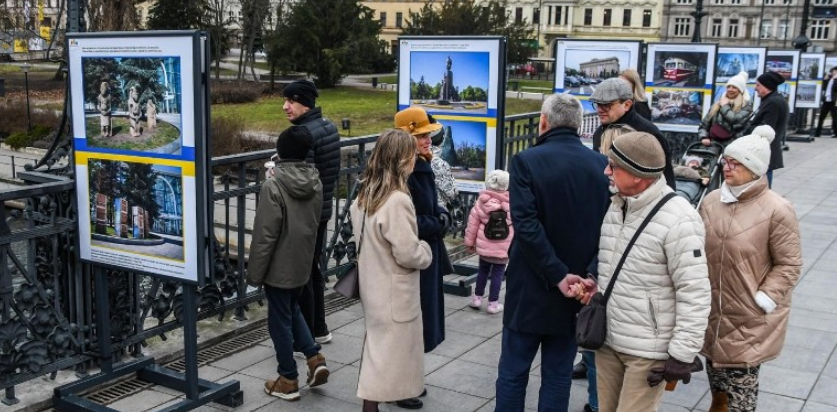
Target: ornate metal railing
<point>47,316</point>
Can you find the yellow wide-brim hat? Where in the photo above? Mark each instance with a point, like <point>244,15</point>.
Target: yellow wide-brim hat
<point>414,121</point>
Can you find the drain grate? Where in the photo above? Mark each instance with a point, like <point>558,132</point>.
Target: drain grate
<point>207,355</point>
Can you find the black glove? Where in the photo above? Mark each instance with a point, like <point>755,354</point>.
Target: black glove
<point>674,370</point>
<point>446,221</point>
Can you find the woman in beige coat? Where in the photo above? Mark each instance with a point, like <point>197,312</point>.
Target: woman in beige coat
<point>754,257</point>
<point>391,255</point>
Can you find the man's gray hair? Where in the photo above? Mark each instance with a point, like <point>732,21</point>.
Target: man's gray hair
<point>562,110</point>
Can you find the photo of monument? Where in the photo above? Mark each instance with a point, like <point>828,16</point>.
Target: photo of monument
<point>730,64</point>
<point>136,207</point>
<point>810,67</point>
<point>584,69</point>
<point>450,81</point>
<point>133,104</point>
<point>464,148</point>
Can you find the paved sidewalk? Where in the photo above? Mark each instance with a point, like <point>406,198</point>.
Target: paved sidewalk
<point>462,371</point>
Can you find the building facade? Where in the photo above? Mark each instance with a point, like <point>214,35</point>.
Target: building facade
<point>394,15</point>
<point>28,25</point>
<point>767,23</point>
<point>588,19</point>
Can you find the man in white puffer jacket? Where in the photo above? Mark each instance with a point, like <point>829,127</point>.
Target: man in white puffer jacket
<point>657,313</point>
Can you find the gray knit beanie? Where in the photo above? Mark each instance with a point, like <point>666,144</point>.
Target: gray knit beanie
<point>639,153</point>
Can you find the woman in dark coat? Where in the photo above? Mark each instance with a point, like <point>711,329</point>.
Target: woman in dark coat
<point>433,221</point>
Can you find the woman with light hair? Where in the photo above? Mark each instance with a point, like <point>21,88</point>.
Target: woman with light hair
<point>391,256</point>
<point>640,99</point>
<point>728,117</point>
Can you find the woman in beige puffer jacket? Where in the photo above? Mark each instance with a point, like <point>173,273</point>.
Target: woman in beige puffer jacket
<point>754,256</point>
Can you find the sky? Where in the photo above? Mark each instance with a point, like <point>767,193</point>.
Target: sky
<point>575,57</point>
<point>470,132</point>
<point>469,68</point>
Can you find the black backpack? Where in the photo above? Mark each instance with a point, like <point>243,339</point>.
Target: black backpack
<point>496,228</point>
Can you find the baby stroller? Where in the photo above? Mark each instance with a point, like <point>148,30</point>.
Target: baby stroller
<point>699,172</point>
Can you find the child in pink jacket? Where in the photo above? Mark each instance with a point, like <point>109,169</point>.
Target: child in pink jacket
<point>493,253</point>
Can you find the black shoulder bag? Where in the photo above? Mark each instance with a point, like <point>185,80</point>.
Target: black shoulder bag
<point>591,325</point>
<point>349,284</point>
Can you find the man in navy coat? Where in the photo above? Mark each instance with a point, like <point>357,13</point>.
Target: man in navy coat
<point>559,195</point>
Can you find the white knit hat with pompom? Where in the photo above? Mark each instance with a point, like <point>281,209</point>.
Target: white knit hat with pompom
<point>740,83</point>
<point>753,151</point>
<point>497,180</point>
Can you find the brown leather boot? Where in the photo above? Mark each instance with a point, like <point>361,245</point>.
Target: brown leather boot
<point>283,388</point>
<point>317,370</point>
<point>720,402</point>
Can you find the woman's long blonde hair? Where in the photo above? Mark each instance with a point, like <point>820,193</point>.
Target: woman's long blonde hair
<point>610,134</point>
<point>632,76</point>
<point>387,169</point>
<point>737,103</point>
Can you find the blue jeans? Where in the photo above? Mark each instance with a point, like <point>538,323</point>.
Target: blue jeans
<point>518,351</point>
<point>288,329</point>
<point>589,359</point>
<point>493,270</point>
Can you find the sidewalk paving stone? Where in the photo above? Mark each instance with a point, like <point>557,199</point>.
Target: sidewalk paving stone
<point>461,373</point>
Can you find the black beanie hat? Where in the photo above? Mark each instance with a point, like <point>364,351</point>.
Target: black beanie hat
<point>771,80</point>
<point>301,91</point>
<point>294,143</point>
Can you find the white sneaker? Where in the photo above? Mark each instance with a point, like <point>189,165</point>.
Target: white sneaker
<point>476,302</point>
<point>324,339</point>
<point>494,307</point>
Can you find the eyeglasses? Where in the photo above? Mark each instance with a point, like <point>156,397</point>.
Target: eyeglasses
<point>605,107</point>
<point>612,166</point>
<point>729,163</point>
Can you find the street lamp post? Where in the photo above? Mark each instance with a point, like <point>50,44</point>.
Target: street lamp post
<point>698,14</point>
<point>25,67</point>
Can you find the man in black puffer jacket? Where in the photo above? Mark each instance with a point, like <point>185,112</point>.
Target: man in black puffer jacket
<point>300,107</point>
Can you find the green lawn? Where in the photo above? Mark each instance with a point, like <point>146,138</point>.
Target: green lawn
<point>370,111</point>
<point>391,79</point>
<point>535,83</point>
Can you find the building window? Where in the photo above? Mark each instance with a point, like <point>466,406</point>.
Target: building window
<point>820,29</point>
<point>734,1</point>
<point>682,26</point>
<point>787,2</point>
<point>784,29</point>
<point>766,29</point>
<point>646,18</point>
<point>518,15</point>
<point>718,2</point>
<point>823,2</point>
<point>383,19</point>
<point>558,14</point>
<point>684,1</point>
<point>733,28</point>
<point>399,19</point>
<point>536,15</point>
<point>769,2</point>
<point>717,26</point>
<point>588,17</point>
<point>608,13</point>
<point>626,17</point>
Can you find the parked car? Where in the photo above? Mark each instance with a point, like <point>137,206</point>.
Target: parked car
<point>571,81</point>
<point>523,69</point>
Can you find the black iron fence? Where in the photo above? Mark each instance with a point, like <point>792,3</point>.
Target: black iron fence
<point>47,316</point>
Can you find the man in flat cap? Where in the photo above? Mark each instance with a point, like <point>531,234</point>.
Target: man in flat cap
<point>773,112</point>
<point>300,108</point>
<point>659,304</point>
<point>613,101</point>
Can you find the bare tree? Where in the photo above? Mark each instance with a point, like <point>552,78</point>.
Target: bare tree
<point>218,20</point>
<point>255,14</point>
<point>113,15</point>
